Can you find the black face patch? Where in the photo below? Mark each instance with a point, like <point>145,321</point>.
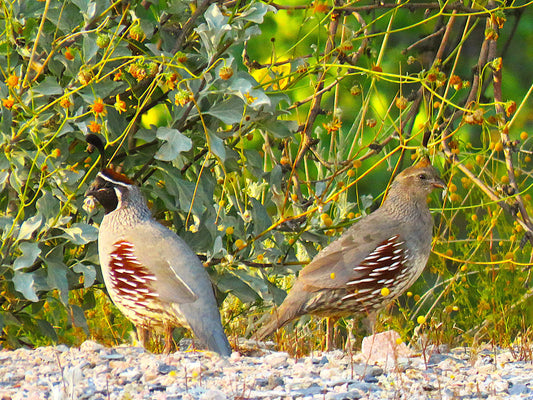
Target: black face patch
<point>104,192</point>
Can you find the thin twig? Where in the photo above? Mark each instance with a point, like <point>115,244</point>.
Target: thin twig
<point>189,25</point>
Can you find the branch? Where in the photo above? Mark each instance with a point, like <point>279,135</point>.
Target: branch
<point>189,25</point>
<point>457,6</point>
<point>504,131</point>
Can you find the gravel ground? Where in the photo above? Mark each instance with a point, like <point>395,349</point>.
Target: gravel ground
<point>96,372</point>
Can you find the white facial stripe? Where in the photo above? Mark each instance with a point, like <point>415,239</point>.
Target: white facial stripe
<point>119,196</point>
<point>107,178</point>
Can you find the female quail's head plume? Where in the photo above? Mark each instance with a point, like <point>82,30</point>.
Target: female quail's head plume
<point>151,274</point>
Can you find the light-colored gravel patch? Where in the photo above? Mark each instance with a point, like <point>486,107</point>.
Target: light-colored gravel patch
<point>95,372</point>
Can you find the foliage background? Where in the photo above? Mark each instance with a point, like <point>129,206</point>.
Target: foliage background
<point>259,131</point>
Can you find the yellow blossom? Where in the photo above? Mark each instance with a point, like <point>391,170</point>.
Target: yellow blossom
<point>119,105</point>
<point>65,102</point>
<point>8,103</point>
<point>98,107</point>
<point>94,127</point>
<point>249,98</point>
<point>12,81</point>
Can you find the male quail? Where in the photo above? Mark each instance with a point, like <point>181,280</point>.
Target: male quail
<point>151,274</point>
<point>373,262</point>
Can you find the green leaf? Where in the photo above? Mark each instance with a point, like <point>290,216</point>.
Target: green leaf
<point>57,272</point>
<point>46,329</point>
<point>48,206</point>
<point>88,271</point>
<point>216,145</point>
<point>280,129</point>
<point>89,301</point>
<point>175,143</point>
<point>260,217</point>
<point>275,177</point>
<point>48,87</point>
<point>79,318</point>
<point>30,252</point>
<point>244,88</point>
<point>256,12</point>
<point>7,120</point>
<point>25,284</point>
<point>278,295</point>
<point>89,47</point>
<point>212,32</point>
<point>5,225</point>
<point>7,318</point>
<point>218,246</point>
<point>29,226</point>
<point>80,233</point>
<point>4,175</point>
<point>230,282</point>
<point>230,111</point>
<point>116,123</point>
<point>186,194</point>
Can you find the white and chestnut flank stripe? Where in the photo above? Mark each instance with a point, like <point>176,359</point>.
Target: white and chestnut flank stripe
<point>385,267</point>
<point>132,289</point>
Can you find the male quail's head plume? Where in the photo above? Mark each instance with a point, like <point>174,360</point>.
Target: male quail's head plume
<point>373,262</point>
<point>151,274</point>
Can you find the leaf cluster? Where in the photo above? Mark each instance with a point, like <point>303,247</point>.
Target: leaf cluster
<point>259,131</point>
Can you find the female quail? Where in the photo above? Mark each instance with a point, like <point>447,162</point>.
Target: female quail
<point>151,274</point>
<point>387,249</point>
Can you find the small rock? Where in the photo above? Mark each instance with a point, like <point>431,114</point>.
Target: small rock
<point>90,345</point>
<point>428,387</point>
<point>165,368</point>
<point>131,374</point>
<point>276,360</point>
<point>384,346</point>
<point>518,389</point>
<point>364,387</point>
<point>354,394</point>
<point>113,355</point>
<point>61,348</point>
<point>320,361</point>
<point>274,382</point>
<point>370,379</point>
<point>330,373</point>
<point>261,382</point>
<point>156,387</point>
<point>311,390</point>
<point>213,395</point>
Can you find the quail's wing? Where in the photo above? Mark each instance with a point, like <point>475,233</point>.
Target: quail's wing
<point>365,248</point>
<point>177,272</point>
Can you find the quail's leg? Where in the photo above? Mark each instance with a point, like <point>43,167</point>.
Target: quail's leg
<point>168,339</point>
<point>369,322</point>
<point>142,335</point>
<point>350,338</point>
<point>330,330</point>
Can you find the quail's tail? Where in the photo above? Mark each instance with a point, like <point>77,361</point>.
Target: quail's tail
<point>206,326</point>
<point>272,325</point>
<point>292,307</point>
<point>216,341</point>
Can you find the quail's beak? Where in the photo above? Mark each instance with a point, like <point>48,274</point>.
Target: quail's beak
<point>439,183</point>
<point>92,190</point>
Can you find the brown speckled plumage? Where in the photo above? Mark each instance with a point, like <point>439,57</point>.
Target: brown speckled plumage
<point>386,249</point>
